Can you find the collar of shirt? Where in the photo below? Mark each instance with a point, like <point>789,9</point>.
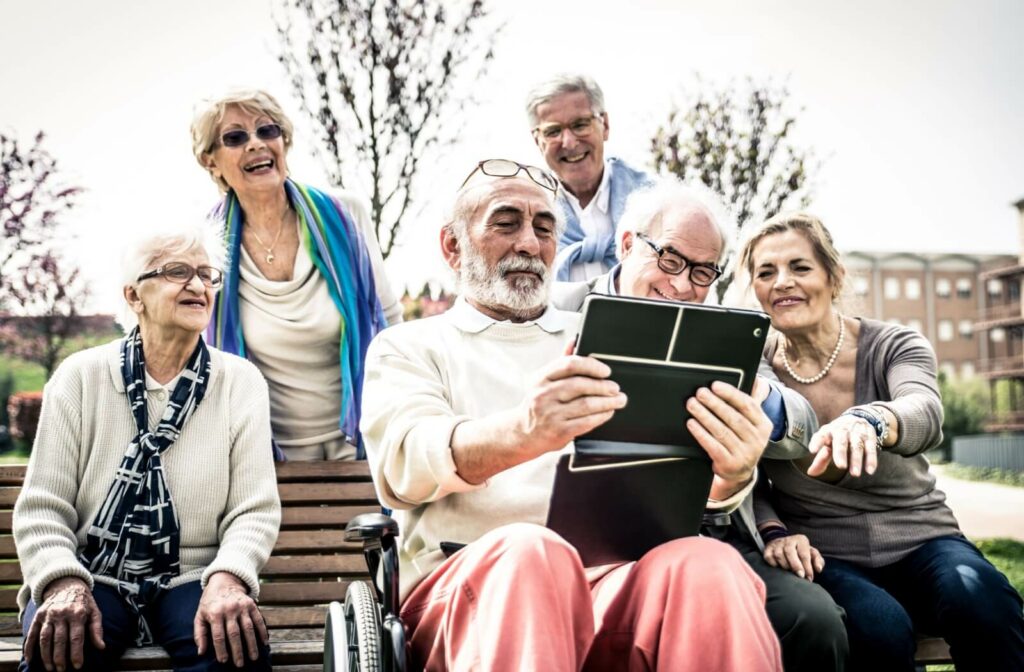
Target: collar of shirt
<point>467,318</point>
<point>601,198</point>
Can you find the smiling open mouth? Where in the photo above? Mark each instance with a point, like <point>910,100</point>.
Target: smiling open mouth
<point>574,159</point>
<point>259,165</point>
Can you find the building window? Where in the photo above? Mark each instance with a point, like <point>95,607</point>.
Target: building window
<point>998,335</point>
<point>995,287</point>
<point>943,288</point>
<point>915,325</point>
<point>892,288</point>
<point>861,286</point>
<point>945,330</point>
<point>967,369</point>
<point>963,288</point>
<point>966,329</point>
<point>912,287</point>
<point>1014,287</point>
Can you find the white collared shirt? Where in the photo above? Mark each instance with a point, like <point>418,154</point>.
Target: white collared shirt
<point>470,320</point>
<point>595,220</point>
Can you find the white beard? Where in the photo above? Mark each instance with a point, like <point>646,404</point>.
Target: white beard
<point>490,286</point>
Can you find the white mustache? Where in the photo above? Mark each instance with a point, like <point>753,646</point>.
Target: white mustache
<point>522,264</point>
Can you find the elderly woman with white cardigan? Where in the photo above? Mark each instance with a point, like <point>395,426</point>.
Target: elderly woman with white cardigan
<point>150,503</point>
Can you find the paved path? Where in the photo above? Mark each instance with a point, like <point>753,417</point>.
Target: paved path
<point>984,509</point>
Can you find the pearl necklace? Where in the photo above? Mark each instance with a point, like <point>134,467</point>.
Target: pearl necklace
<point>828,365</point>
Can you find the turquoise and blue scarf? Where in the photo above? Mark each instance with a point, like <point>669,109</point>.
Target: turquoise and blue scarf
<point>336,247</point>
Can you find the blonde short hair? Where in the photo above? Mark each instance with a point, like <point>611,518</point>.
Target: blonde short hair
<point>209,113</point>
<point>811,228</point>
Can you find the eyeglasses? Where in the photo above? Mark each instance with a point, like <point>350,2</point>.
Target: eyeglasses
<point>506,168</point>
<point>581,128</point>
<point>239,136</point>
<point>182,274</point>
<point>673,263</point>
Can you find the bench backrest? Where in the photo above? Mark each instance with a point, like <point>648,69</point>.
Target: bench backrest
<point>311,564</point>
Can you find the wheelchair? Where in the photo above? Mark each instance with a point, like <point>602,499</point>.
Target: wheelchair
<point>365,634</point>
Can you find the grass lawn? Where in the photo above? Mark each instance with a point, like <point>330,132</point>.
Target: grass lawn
<point>27,376</point>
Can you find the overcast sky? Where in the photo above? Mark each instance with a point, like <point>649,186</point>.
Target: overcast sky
<point>915,105</point>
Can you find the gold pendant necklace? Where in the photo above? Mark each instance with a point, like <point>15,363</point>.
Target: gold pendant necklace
<point>270,250</point>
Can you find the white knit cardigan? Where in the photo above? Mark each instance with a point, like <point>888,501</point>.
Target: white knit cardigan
<point>220,471</point>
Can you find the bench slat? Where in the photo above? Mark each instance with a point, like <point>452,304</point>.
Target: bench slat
<point>293,617</point>
<point>327,493</point>
<point>310,592</point>
<point>320,472</point>
<point>10,572</point>
<point>306,517</point>
<point>281,566</point>
<point>304,542</point>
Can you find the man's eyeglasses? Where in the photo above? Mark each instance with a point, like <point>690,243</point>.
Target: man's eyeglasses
<point>182,274</point>
<point>581,128</point>
<point>506,168</point>
<point>239,136</point>
<point>673,263</point>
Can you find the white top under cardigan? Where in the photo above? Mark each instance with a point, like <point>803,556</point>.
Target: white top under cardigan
<point>292,333</point>
<point>220,471</point>
<point>425,377</point>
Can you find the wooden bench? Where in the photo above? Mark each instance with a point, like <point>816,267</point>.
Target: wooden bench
<point>310,566</point>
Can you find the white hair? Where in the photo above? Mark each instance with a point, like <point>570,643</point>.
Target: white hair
<point>162,239</point>
<point>562,84</point>
<point>646,207</point>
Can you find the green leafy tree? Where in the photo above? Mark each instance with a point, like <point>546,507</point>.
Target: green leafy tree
<point>965,405</point>
<point>385,84</point>
<point>738,141</point>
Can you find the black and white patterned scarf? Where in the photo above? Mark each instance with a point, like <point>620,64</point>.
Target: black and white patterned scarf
<point>135,537</point>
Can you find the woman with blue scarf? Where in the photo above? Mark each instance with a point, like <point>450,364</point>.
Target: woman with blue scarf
<point>305,290</point>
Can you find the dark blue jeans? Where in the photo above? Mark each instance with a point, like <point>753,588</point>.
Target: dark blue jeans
<point>170,618</point>
<point>944,588</point>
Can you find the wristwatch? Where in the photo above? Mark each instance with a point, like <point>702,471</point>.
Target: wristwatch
<point>875,418</point>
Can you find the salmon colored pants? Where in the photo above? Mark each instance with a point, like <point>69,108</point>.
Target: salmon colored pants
<point>519,599</point>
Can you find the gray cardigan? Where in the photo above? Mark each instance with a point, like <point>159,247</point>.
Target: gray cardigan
<point>876,519</point>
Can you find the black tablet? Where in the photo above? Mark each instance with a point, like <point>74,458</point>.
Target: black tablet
<point>616,513</point>
<point>661,353</point>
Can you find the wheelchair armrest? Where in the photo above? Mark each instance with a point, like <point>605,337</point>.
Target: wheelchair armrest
<point>370,526</point>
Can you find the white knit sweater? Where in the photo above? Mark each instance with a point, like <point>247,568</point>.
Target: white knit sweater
<point>220,471</point>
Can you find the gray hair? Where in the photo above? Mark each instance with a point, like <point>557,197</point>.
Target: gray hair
<point>646,207</point>
<point>210,112</point>
<point>163,239</point>
<point>457,218</point>
<point>560,85</point>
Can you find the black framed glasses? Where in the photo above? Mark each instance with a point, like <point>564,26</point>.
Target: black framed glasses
<point>237,137</point>
<point>181,273</point>
<point>581,128</point>
<point>506,168</point>
<point>673,263</point>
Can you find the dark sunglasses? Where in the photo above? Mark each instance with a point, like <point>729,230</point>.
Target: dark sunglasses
<point>181,273</point>
<point>239,136</point>
<point>673,263</point>
<point>506,168</point>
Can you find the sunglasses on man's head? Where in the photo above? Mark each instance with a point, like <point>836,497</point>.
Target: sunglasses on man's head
<point>237,137</point>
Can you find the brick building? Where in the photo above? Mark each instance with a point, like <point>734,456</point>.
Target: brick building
<point>1001,324</point>
<point>940,295</point>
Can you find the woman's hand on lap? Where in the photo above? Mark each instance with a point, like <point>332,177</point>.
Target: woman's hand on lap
<point>229,615</point>
<point>796,554</point>
<point>67,611</point>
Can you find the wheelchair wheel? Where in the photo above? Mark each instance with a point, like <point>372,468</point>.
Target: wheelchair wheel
<point>362,627</point>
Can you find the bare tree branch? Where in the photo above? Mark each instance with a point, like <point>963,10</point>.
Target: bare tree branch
<point>385,84</point>
<point>738,142</point>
